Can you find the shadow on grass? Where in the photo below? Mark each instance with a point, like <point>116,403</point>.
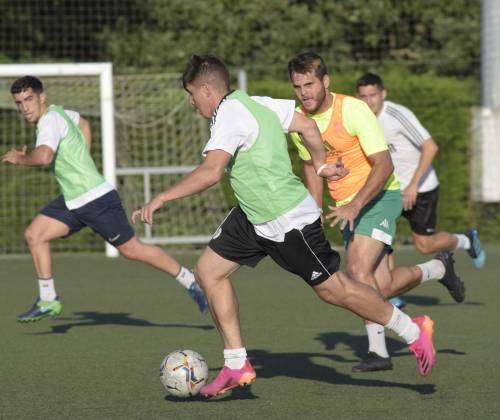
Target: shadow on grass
<point>359,346</point>
<point>239,393</point>
<point>432,301</point>
<point>95,319</point>
<point>301,366</point>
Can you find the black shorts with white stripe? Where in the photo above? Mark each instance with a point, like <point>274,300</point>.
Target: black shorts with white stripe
<point>305,252</point>
<point>423,215</point>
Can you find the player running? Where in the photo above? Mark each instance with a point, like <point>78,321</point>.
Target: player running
<point>63,141</point>
<point>275,216</point>
<point>413,149</point>
<point>367,201</point>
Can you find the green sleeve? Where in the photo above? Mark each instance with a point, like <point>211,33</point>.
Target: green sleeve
<point>297,141</point>
<point>360,121</point>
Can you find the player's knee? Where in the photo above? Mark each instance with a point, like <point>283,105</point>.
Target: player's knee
<point>205,278</point>
<point>358,272</point>
<point>129,250</point>
<point>385,290</point>
<point>32,236</point>
<point>333,290</point>
<point>423,244</point>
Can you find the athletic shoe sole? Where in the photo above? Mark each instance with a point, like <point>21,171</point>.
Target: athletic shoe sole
<point>245,380</point>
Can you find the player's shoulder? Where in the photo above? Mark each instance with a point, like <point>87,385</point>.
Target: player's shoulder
<point>229,108</point>
<point>273,103</point>
<point>352,102</point>
<point>355,106</point>
<point>394,109</point>
<point>50,117</point>
<point>230,113</point>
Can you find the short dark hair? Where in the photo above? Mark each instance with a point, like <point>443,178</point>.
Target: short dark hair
<point>307,62</point>
<point>26,82</point>
<point>369,79</point>
<point>205,65</point>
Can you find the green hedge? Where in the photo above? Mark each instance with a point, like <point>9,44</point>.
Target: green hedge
<point>443,105</point>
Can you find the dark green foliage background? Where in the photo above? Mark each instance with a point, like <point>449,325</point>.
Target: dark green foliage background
<point>258,35</point>
<point>427,51</point>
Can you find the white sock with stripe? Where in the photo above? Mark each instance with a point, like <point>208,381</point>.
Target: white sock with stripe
<point>47,290</point>
<point>403,326</point>
<point>235,358</point>
<point>185,277</point>
<point>376,339</point>
<point>463,241</point>
<point>432,270</point>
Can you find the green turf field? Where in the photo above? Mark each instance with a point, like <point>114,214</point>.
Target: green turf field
<point>101,359</point>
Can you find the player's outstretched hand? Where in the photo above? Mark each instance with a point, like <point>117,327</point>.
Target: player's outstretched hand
<point>13,155</point>
<point>334,171</point>
<point>344,215</point>
<point>146,213</point>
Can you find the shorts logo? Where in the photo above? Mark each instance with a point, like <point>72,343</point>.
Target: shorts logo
<point>114,239</point>
<point>217,233</point>
<point>315,275</point>
<point>429,230</point>
<point>385,224</point>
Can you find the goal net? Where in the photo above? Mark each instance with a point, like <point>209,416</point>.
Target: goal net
<point>152,138</point>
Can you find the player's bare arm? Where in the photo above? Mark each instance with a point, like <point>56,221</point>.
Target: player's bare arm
<point>311,136</point>
<point>206,175</point>
<point>86,131</point>
<point>428,151</point>
<point>40,156</point>
<point>313,182</point>
<point>382,169</point>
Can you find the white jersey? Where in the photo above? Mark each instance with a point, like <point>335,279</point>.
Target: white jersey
<point>406,135</point>
<point>52,128</point>
<point>235,128</point>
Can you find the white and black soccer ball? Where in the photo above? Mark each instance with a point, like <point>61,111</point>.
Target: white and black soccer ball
<point>183,373</point>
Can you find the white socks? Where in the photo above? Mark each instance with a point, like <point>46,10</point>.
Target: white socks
<point>235,358</point>
<point>376,339</point>
<point>463,241</point>
<point>47,290</point>
<point>432,270</point>
<point>403,326</point>
<point>185,277</point>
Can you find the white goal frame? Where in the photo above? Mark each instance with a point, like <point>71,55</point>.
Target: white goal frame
<point>105,73</point>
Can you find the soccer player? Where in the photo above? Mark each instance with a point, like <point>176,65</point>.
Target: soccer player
<point>63,141</point>
<point>413,149</point>
<point>367,200</point>
<point>275,216</point>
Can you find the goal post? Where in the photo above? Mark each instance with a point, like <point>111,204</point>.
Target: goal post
<point>105,73</point>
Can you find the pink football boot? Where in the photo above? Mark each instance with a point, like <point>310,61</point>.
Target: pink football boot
<point>423,349</point>
<point>228,379</point>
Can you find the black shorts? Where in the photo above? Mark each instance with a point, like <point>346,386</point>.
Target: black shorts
<point>423,215</point>
<point>305,252</point>
<point>105,215</point>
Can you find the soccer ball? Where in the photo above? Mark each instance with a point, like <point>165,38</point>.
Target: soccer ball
<point>183,373</point>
